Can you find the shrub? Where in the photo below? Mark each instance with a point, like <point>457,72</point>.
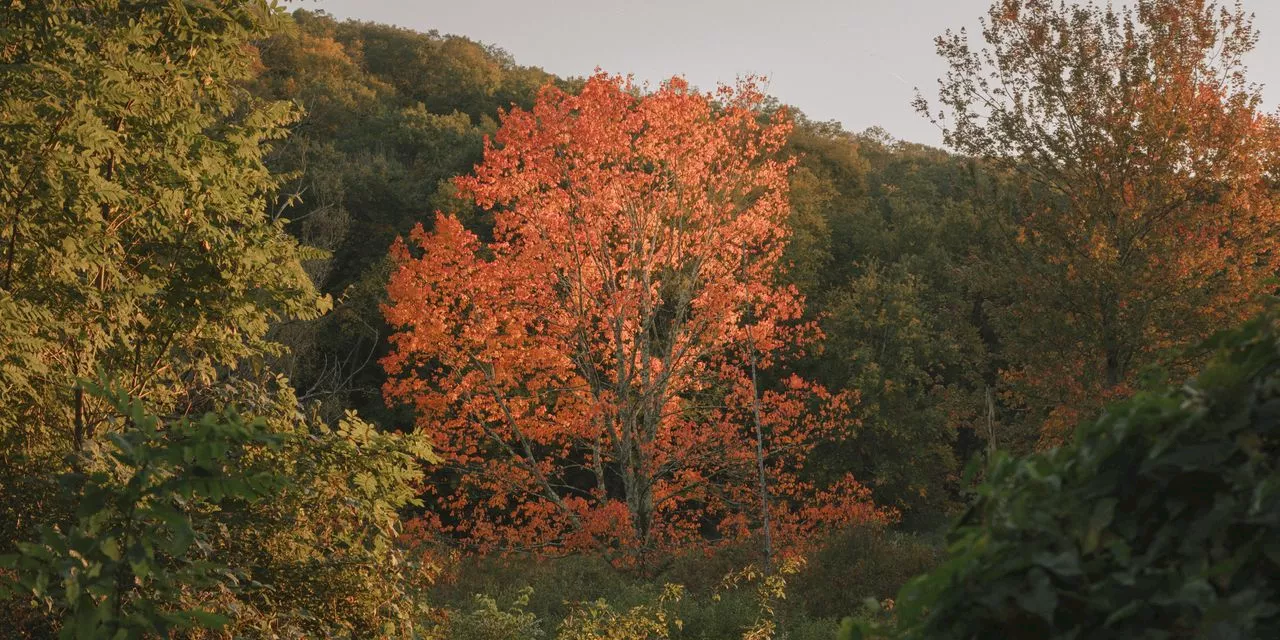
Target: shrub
<point>578,596</point>
<point>599,620</point>
<point>487,621</point>
<point>1160,520</point>
<point>555,584</point>
<point>863,562</point>
<point>273,526</point>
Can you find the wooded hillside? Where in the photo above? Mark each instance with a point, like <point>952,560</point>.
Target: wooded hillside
<point>321,328</point>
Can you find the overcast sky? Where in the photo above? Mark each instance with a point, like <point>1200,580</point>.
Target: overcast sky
<point>855,61</point>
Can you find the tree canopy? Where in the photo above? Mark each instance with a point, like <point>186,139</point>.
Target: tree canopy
<point>1144,167</point>
<point>592,372</point>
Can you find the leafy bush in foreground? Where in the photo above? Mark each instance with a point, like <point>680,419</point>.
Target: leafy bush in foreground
<point>274,526</point>
<point>1160,520</point>
<point>122,568</point>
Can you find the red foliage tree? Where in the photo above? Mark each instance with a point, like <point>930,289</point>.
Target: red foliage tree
<point>588,375</point>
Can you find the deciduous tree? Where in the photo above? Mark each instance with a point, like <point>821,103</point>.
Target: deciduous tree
<point>134,236</point>
<point>1147,213</point>
<point>588,375</point>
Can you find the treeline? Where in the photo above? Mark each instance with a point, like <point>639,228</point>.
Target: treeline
<point>254,386</point>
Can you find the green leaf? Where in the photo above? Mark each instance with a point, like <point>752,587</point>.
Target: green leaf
<point>111,548</point>
<point>1100,519</point>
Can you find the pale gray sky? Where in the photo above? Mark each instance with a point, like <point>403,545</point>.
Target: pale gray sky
<point>855,61</point>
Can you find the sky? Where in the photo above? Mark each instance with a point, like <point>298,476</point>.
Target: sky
<point>854,61</point>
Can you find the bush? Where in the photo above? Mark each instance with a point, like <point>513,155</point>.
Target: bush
<point>323,552</point>
<point>273,526</point>
<point>1160,520</point>
<point>487,621</point>
<point>864,562</point>
<point>555,584</point>
<point>122,567</point>
<point>579,596</point>
<point>652,619</point>
<point>599,620</point>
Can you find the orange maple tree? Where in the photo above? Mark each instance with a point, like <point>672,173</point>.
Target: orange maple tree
<point>590,375</point>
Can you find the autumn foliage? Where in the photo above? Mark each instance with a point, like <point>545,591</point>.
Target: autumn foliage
<point>588,374</point>
<point>1146,208</point>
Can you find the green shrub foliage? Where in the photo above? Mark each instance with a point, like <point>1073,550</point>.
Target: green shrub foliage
<point>273,526</point>
<point>1160,520</point>
<point>487,621</point>
<point>121,568</point>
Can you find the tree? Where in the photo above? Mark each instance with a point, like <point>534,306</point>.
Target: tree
<point>899,306</point>
<point>590,375</point>
<point>827,189</point>
<point>136,241</point>
<point>884,341</point>
<point>134,236</point>
<point>1146,211</point>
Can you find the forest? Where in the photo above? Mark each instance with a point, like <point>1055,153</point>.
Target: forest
<point>313,328</point>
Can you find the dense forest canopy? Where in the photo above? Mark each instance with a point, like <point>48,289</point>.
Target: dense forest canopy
<point>321,328</point>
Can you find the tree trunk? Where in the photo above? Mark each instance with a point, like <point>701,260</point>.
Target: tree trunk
<point>766,533</point>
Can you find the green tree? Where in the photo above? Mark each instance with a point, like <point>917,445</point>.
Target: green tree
<point>134,235</point>
<point>828,188</point>
<point>886,239</point>
<point>895,351</point>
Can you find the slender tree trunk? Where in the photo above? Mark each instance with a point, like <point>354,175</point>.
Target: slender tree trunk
<point>991,421</point>
<point>78,434</point>
<point>639,488</point>
<point>766,533</point>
